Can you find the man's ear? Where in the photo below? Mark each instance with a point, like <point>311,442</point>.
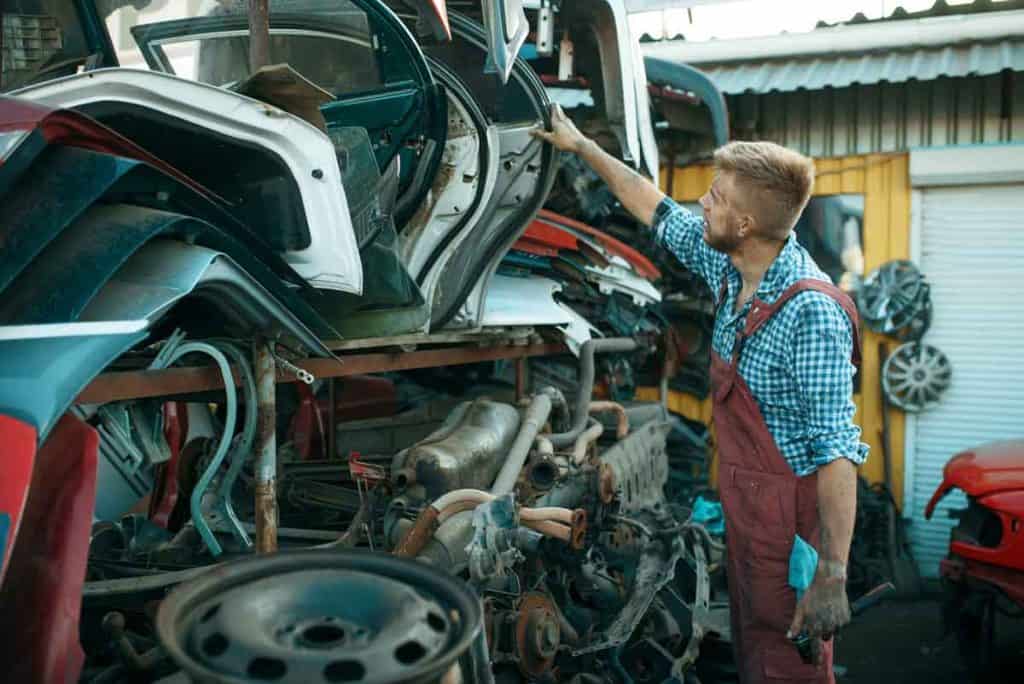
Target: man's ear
<point>747,225</point>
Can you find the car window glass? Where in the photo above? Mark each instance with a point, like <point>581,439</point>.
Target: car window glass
<point>341,58</point>
<point>502,103</point>
<point>338,66</point>
<point>358,173</point>
<point>41,39</point>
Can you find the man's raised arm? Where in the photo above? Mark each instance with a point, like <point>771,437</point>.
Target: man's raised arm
<point>678,230</point>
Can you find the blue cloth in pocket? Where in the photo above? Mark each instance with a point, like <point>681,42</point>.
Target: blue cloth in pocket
<point>803,563</point>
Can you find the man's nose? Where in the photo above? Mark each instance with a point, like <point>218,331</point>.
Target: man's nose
<point>703,201</point>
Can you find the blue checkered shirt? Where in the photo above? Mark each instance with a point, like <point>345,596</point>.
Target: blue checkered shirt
<point>798,364</point>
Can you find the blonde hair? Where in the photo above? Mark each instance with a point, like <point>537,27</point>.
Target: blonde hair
<point>779,179</point>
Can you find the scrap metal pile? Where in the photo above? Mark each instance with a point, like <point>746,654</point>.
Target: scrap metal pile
<point>554,515</point>
<point>183,242</point>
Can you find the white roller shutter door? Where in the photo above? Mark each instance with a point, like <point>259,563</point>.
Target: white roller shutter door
<point>971,249</point>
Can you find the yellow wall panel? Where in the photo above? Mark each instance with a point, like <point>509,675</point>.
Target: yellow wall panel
<point>884,182</point>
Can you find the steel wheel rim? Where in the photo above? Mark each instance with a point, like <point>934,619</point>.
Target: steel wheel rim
<point>335,617</point>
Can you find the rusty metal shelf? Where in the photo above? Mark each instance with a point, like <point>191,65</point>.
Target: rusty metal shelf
<point>140,384</point>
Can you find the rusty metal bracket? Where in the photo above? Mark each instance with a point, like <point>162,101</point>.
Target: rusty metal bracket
<point>266,447</point>
<point>139,384</point>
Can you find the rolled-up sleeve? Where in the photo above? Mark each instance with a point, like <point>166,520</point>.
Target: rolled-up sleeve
<point>821,360</point>
<point>681,232</point>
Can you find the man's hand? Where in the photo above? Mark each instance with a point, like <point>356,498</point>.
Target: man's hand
<point>824,608</point>
<point>638,194</point>
<point>563,134</point>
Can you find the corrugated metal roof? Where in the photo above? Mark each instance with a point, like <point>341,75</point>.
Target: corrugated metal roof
<point>815,73</point>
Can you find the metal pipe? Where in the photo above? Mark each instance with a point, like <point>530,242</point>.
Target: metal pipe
<point>242,448</point>
<point>559,408</point>
<point>467,499</point>
<point>622,429</point>
<point>231,412</point>
<point>586,385</point>
<point>554,513</point>
<point>456,508</point>
<point>477,496</point>
<point>266,448</point>
<point>583,442</point>
<point>550,528</point>
<point>533,420</point>
<point>259,34</point>
<point>419,534</point>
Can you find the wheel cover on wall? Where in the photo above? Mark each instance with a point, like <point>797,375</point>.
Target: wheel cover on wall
<point>915,376</point>
<point>320,616</point>
<point>895,300</point>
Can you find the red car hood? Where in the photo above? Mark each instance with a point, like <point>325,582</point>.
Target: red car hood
<point>988,469</point>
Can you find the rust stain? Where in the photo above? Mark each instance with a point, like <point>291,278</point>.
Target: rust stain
<point>420,533</point>
<point>266,517</point>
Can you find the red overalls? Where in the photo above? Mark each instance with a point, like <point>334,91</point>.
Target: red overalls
<point>765,504</point>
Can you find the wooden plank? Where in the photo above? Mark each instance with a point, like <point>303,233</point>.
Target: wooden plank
<point>827,179</point>
<point>853,174</point>
<point>124,385</point>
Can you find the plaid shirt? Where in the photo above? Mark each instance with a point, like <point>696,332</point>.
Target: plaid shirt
<point>798,365</point>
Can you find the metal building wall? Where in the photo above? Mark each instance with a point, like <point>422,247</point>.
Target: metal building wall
<point>885,117</point>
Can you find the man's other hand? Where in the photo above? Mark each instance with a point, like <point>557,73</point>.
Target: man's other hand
<point>823,609</point>
<point>563,134</point>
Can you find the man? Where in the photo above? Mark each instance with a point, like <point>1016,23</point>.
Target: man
<point>784,348</point>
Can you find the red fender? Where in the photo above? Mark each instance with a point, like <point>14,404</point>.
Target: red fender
<point>42,593</point>
<point>19,440</point>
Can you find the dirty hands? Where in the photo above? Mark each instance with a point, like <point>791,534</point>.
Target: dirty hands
<point>824,608</point>
<point>563,134</point>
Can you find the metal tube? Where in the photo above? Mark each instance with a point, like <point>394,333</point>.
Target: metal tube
<point>259,34</point>
<point>418,536</point>
<point>533,420</point>
<point>475,495</point>
<point>586,389</point>
<point>560,416</point>
<point>622,428</point>
<point>549,528</point>
<point>583,442</point>
<point>266,448</point>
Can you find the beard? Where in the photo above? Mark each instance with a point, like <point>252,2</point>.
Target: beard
<point>725,241</point>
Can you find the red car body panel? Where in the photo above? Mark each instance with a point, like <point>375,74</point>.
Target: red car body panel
<point>544,239</point>
<point>19,440</point>
<point>985,470</point>
<point>644,266</point>
<point>993,476</point>
<point>1009,508</point>
<point>42,592</point>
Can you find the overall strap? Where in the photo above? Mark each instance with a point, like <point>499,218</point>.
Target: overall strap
<point>761,313</point>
